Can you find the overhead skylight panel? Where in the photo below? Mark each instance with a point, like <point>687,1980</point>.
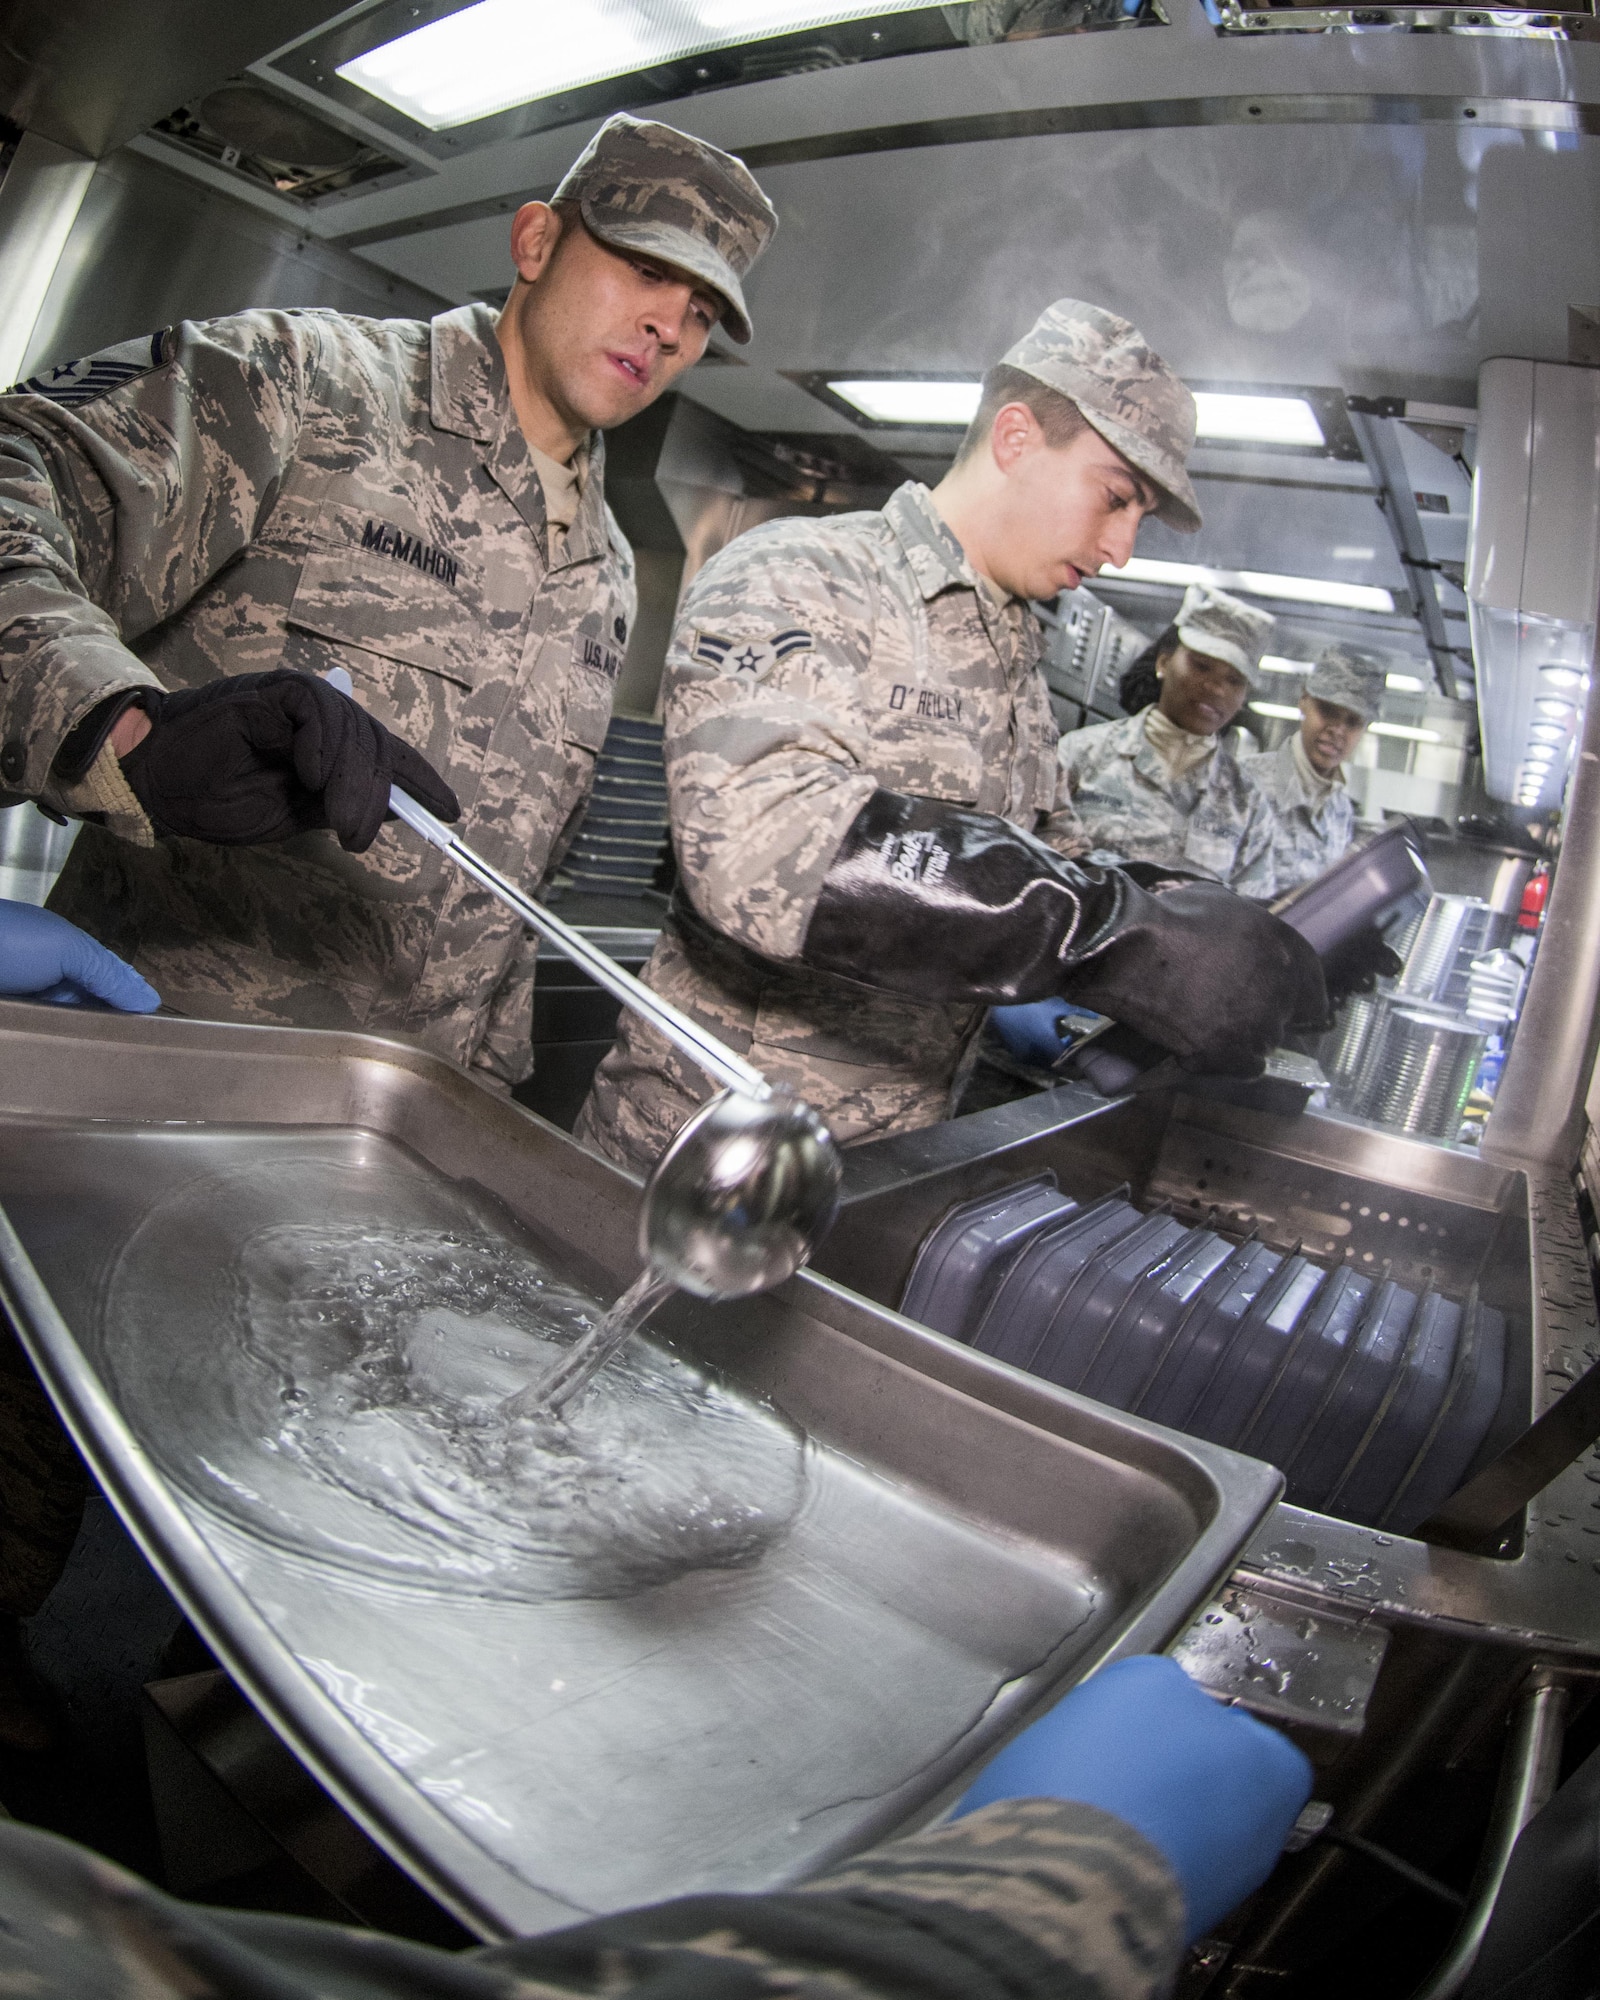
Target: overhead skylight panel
<point>503,53</point>
<point>1258,583</point>
<point>886,400</point>
<point>1230,418</point>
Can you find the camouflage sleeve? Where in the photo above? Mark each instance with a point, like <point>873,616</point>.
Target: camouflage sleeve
<point>504,1057</point>
<point>1256,874</point>
<point>1029,1900</point>
<point>1062,828</point>
<point>768,741</point>
<point>126,482</point>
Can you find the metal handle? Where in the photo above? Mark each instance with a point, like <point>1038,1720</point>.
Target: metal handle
<point>1528,1776</point>
<point>702,1047</point>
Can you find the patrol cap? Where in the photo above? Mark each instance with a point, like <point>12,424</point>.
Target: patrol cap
<point>1126,391</point>
<point>644,186</point>
<point>1223,628</point>
<point>1349,678</point>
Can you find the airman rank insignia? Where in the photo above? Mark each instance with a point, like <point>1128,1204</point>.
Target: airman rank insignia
<point>747,659</point>
<point>76,383</point>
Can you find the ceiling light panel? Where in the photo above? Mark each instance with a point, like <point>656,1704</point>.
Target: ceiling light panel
<point>1280,709</point>
<point>884,400</point>
<point>1242,419</point>
<point>1258,583</point>
<point>1406,732</point>
<point>502,53</point>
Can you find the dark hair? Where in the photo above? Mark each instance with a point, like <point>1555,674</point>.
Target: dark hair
<point>1058,416</point>
<point>1140,685</point>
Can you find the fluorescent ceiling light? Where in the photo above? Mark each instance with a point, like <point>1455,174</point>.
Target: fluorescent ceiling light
<point>1403,683</point>
<point>1276,708</point>
<point>1563,677</point>
<point>931,403</point>
<point>1240,419</point>
<point>1258,583</point>
<point>1271,663</point>
<point>1551,706</point>
<point>1406,732</point>
<point>1354,555</point>
<point>502,53</point>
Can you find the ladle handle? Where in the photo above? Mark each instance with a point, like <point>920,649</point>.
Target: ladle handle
<point>713,1056</point>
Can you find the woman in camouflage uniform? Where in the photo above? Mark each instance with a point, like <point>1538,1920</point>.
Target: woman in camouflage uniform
<point>1165,786</point>
<point>1304,776</point>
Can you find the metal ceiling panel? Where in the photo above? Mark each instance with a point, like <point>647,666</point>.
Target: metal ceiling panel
<point>89,74</point>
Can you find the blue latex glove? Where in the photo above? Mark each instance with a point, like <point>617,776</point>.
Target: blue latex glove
<point>1212,1788</point>
<point>46,958</point>
<point>1029,1032</point>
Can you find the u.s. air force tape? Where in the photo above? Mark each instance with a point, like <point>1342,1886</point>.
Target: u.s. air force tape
<point>747,659</point>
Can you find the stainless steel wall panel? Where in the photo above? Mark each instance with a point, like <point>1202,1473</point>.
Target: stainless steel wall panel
<point>151,246</point>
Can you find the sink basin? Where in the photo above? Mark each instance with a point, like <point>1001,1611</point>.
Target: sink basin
<point>798,1568</point>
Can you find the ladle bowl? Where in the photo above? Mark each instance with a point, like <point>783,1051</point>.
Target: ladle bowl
<point>741,1197</point>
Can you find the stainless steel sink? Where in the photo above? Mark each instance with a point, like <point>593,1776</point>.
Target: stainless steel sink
<point>535,1743</point>
<point>1421,1213</point>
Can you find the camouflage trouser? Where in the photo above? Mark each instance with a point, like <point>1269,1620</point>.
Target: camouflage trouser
<point>871,1063</point>
<point>42,1485</point>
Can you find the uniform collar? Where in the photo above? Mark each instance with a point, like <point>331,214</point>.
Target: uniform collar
<point>1134,744</point>
<point>468,391</point>
<point>1315,790</point>
<point>469,396</point>
<point>936,559</point>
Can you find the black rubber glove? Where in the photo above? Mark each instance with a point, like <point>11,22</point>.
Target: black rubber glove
<point>1358,964</point>
<point>253,758</point>
<point>1216,979</point>
<point>926,899</point>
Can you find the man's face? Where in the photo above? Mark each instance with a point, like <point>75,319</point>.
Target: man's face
<point>1198,693</point>
<point>603,332</point>
<point>1064,512</point>
<point>1329,733</point>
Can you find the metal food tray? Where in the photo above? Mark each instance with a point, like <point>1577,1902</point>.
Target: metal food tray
<point>970,1541</point>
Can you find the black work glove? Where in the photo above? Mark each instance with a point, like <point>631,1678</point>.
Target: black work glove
<point>928,899</point>
<point>1358,964</point>
<point>253,758</point>
<point>1216,979</point>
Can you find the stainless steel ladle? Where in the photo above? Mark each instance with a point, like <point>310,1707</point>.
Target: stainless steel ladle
<point>750,1185</point>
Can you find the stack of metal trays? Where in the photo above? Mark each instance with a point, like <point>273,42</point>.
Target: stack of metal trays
<point>622,841</point>
<point>1373,1399</point>
<point>1446,927</point>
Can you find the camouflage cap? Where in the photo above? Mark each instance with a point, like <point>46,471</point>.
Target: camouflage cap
<point>644,186</point>
<point>1349,678</point>
<point>1126,391</point>
<point>1223,628</point>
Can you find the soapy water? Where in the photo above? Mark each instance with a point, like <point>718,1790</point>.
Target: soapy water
<point>361,1392</point>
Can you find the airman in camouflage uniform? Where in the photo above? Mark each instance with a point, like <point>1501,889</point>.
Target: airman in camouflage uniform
<point>1147,790</point>
<point>814,661</point>
<point>309,491</point>
<point>1316,816</point>
<point>1026,1900</point>
<point>814,664</point>
<point>333,496</point>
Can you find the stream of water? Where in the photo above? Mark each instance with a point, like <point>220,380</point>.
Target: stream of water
<point>427,1397</point>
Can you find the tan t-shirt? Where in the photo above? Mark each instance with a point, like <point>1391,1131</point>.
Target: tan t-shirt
<point>1315,783</point>
<point>563,487</point>
<point>1180,750</point>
